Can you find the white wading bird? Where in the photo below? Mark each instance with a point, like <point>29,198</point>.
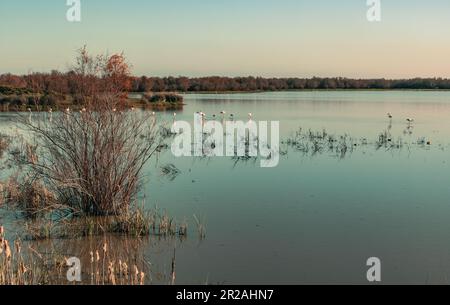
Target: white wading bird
<point>223,114</point>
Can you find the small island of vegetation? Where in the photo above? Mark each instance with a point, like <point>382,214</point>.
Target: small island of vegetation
<point>59,91</point>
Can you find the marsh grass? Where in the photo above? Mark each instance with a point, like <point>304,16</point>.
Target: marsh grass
<point>136,222</point>
<point>386,141</point>
<point>170,171</point>
<point>29,196</point>
<point>201,227</point>
<point>314,143</point>
<point>4,143</point>
<point>141,222</point>
<point>19,268</point>
<point>108,268</point>
<point>21,265</point>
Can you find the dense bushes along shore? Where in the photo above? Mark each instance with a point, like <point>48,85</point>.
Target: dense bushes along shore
<point>65,83</point>
<point>19,99</point>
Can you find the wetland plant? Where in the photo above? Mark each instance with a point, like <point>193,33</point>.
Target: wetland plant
<point>89,161</point>
<point>170,171</point>
<point>4,143</point>
<point>22,264</point>
<point>315,143</point>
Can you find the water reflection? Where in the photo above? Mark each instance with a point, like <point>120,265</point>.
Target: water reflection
<point>327,207</point>
<point>152,257</point>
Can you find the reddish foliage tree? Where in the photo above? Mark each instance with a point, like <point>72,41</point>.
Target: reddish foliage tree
<point>118,75</point>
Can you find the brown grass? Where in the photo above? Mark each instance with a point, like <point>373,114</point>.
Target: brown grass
<point>4,143</point>
<point>35,268</point>
<point>136,222</point>
<point>18,269</point>
<point>29,196</point>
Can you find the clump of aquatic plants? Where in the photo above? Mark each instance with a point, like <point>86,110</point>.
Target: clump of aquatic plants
<point>162,101</point>
<point>170,171</point>
<point>163,97</point>
<point>166,132</point>
<point>4,143</point>
<point>244,159</point>
<point>29,196</point>
<point>139,222</point>
<point>48,217</point>
<point>385,140</point>
<point>314,143</point>
<point>136,222</point>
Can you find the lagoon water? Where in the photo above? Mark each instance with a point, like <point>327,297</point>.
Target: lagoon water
<point>313,218</point>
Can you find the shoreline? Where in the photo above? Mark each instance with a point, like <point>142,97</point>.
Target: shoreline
<point>168,106</point>
<point>312,90</point>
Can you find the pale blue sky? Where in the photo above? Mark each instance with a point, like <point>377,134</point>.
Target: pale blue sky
<point>233,37</point>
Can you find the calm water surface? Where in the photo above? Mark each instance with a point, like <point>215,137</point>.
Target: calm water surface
<point>314,219</point>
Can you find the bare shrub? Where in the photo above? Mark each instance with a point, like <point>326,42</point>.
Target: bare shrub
<point>91,160</point>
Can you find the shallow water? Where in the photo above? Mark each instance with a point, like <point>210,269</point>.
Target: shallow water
<point>314,219</point>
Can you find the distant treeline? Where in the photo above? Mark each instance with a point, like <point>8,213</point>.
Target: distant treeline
<point>225,84</point>
<point>64,83</point>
